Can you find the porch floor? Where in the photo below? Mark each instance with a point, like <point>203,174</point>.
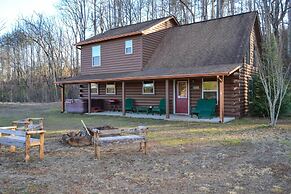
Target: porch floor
<point>173,117</point>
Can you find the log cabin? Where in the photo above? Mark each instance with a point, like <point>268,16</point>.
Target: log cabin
<point>160,58</point>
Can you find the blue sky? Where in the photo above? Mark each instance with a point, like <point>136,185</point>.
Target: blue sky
<point>10,10</point>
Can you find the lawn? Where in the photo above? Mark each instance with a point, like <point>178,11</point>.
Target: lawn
<point>244,156</point>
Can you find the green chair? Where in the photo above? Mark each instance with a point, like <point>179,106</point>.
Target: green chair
<point>129,105</point>
<point>161,109</point>
<point>205,108</point>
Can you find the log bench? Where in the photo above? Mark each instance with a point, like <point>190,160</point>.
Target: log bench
<point>15,138</point>
<point>29,123</point>
<point>119,136</point>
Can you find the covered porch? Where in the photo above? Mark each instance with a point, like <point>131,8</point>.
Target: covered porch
<point>167,91</point>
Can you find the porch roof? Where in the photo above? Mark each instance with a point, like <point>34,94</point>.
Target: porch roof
<point>156,73</point>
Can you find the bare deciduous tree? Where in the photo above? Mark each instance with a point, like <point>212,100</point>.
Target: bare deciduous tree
<point>275,77</point>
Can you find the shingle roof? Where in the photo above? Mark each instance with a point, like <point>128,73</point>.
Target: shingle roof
<point>209,48</point>
<point>211,43</point>
<point>128,30</point>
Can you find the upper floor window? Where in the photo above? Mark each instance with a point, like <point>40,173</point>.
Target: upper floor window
<point>94,88</point>
<point>96,56</point>
<point>209,90</point>
<point>128,47</point>
<point>110,88</point>
<point>148,87</point>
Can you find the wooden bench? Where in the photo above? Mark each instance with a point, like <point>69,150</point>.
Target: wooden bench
<point>29,123</point>
<point>119,136</point>
<point>14,137</point>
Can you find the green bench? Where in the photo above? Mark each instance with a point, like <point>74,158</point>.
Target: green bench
<point>129,105</point>
<point>205,108</point>
<point>143,109</point>
<point>161,109</point>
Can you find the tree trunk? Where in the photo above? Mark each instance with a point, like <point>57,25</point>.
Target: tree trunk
<point>212,9</point>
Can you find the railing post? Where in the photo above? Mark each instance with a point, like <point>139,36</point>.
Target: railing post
<point>62,98</point>
<point>89,97</point>
<point>167,99</point>
<point>221,98</point>
<point>123,98</point>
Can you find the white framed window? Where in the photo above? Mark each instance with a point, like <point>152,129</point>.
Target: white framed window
<point>96,56</point>
<point>110,88</point>
<point>148,87</point>
<point>128,47</point>
<point>94,88</point>
<point>210,90</point>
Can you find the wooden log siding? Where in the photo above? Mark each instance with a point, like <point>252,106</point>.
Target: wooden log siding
<point>236,93</point>
<point>231,95</point>
<point>232,105</point>
<point>133,89</point>
<point>110,51</point>
<point>244,78</point>
<point>252,46</point>
<point>195,91</point>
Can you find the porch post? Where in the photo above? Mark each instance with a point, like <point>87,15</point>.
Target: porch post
<point>123,98</point>
<point>221,98</point>
<point>89,97</point>
<point>167,99</point>
<point>62,98</point>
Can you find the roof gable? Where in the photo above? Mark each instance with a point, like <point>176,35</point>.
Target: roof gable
<point>129,30</point>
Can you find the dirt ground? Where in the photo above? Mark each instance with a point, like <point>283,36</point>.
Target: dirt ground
<point>194,159</point>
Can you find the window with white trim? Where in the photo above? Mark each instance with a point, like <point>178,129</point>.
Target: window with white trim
<point>96,56</point>
<point>128,47</point>
<point>148,87</point>
<point>94,88</point>
<point>110,88</point>
<point>210,90</point>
